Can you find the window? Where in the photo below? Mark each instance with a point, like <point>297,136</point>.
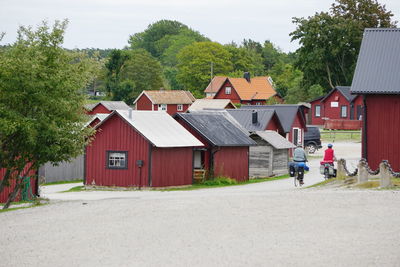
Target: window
<point>343,111</point>
<point>258,104</point>
<point>117,159</point>
<point>228,90</point>
<point>318,111</point>
<point>180,107</point>
<point>334,104</point>
<point>162,107</point>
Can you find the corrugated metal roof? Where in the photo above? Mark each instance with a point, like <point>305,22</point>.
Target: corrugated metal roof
<point>159,128</point>
<point>244,117</point>
<point>114,105</point>
<point>216,128</point>
<point>286,113</point>
<point>275,139</point>
<point>100,116</point>
<point>168,96</point>
<point>201,104</point>
<point>378,64</point>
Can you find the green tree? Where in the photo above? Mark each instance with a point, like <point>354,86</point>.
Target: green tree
<point>286,77</point>
<point>315,91</point>
<point>129,72</point>
<point>245,60</point>
<point>330,41</point>
<point>195,65</point>
<point>41,100</point>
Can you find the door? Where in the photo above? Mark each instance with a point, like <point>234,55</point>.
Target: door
<point>295,136</point>
<point>359,112</point>
<point>197,160</point>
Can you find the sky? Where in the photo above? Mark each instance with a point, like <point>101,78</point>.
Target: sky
<point>109,23</point>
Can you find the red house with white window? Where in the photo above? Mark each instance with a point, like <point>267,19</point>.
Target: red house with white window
<point>140,149</point>
<point>339,109</point>
<point>171,101</point>
<point>246,90</point>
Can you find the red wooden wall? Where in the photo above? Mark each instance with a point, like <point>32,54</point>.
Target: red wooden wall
<point>383,130</point>
<point>234,97</point>
<point>232,162</point>
<point>173,108</point>
<point>99,109</point>
<point>8,190</point>
<point>314,119</point>
<point>144,103</point>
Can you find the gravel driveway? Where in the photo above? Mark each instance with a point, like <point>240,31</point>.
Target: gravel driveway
<point>267,224</point>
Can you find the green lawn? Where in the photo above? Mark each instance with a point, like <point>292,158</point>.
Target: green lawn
<point>335,136</point>
<point>63,182</point>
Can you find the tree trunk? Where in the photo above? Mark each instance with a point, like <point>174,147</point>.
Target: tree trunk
<point>14,193</point>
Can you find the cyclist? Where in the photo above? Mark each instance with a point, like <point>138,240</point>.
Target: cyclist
<point>329,155</point>
<point>299,155</point>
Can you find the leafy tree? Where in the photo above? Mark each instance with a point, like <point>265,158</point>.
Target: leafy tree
<point>286,77</point>
<point>315,91</point>
<point>129,72</point>
<point>195,65</point>
<point>271,55</point>
<point>330,41</point>
<point>244,60</point>
<point>41,115</point>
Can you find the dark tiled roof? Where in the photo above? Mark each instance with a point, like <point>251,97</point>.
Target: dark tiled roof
<point>378,64</point>
<point>344,90</point>
<point>244,117</point>
<point>286,113</point>
<point>217,129</point>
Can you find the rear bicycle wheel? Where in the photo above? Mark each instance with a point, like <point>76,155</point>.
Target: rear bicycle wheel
<point>296,181</point>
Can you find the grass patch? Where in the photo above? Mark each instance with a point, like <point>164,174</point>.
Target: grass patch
<point>63,182</point>
<point>334,136</point>
<point>34,203</point>
<point>75,189</point>
<point>323,183</point>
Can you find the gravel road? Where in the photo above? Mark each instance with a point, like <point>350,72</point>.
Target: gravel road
<point>266,224</point>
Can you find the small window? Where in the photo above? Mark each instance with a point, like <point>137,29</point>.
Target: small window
<point>258,103</point>
<point>228,90</point>
<point>180,107</point>
<point>343,111</point>
<point>162,107</point>
<point>317,111</point>
<point>117,159</point>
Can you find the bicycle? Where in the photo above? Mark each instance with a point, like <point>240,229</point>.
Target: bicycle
<point>296,170</point>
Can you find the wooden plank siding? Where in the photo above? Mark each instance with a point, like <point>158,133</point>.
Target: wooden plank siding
<point>65,171</point>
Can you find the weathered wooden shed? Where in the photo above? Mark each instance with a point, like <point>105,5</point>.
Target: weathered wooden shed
<point>377,79</point>
<point>271,155</point>
<point>226,144</point>
<point>140,148</point>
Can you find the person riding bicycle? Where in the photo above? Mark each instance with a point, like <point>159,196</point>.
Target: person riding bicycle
<point>329,155</point>
<point>299,155</point>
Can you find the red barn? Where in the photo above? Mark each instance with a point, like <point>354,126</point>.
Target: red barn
<point>247,91</point>
<point>171,101</point>
<point>339,109</point>
<point>31,189</point>
<point>226,145</point>
<point>140,148</point>
<point>106,107</point>
<point>377,79</point>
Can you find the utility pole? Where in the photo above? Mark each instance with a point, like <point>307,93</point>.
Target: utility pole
<point>212,74</point>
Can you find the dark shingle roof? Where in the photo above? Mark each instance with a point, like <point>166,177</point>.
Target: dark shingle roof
<point>217,129</point>
<point>244,117</point>
<point>378,64</point>
<point>286,114</point>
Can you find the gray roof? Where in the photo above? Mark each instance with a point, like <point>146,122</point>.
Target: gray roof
<point>286,113</point>
<point>244,117</point>
<point>100,116</point>
<point>159,128</point>
<point>378,64</point>
<point>275,139</point>
<point>217,129</point>
<point>205,103</point>
<point>344,90</point>
<point>110,105</point>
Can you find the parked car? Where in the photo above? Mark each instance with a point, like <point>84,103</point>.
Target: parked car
<point>312,139</point>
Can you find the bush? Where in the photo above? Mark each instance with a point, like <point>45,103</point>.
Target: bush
<point>220,181</point>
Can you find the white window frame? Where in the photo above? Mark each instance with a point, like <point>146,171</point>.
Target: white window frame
<point>341,111</point>
<point>162,107</point>
<point>179,107</point>
<point>299,135</point>
<point>228,90</point>
<point>117,159</point>
<point>318,114</point>
<point>258,103</point>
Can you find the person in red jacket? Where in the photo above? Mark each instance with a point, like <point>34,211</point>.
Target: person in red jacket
<point>329,155</point>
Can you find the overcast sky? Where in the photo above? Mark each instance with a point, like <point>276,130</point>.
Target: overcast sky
<point>108,23</point>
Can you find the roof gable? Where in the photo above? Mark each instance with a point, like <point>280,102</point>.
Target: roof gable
<point>378,64</point>
<point>259,88</point>
<point>157,127</point>
<point>343,90</point>
<point>275,139</point>
<point>244,117</point>
<point>168,97</point>
<point>110,105</point>
<point>216,128</point>
<point>215,84</point>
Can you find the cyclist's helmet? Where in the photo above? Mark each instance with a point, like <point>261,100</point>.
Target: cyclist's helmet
<point>330,145</point>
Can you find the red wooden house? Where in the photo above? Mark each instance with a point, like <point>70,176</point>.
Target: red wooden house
<point>105,107</point>
<point>377,79</point>
<point>30,189</point>
<point>226,144</point>
<point>292,119</point>
<point>171,101</point>
<point>339,109</point>
<point>247,91</point>
<point>140,148</point>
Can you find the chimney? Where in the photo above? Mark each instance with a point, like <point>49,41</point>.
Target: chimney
<point>246,75</point>
<point>254,117</point>
<point>130,113</point>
